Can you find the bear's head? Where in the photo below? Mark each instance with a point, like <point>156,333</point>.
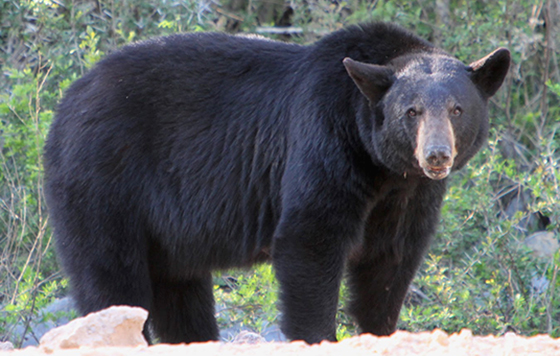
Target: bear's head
<point>426,112</point>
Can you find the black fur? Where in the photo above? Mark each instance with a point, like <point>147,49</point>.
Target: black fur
<point>186,154</point>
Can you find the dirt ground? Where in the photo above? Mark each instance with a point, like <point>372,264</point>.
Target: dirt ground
<point>401,343</point>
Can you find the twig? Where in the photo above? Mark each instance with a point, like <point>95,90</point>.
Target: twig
<point>551,287</point>
<point>280,30</point>
<point>548,49</point>
<point>228,14</point>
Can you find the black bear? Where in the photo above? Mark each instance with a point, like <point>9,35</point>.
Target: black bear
<point>186,154</point>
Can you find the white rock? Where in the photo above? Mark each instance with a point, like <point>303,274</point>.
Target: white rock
<point>543,243</point>
<point>247,337</point>
<point>114,326</point>
<point>6,346</point>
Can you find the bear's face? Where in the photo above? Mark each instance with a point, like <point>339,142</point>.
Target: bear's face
<point>429,112</point>
<point>433,115</point>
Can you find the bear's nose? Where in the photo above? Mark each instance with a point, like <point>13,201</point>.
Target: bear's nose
<point>438,156</point>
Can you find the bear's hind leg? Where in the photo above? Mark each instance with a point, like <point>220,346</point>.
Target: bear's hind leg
<point>104,278</point>
<point>183,311</point>
<point>102,253</point>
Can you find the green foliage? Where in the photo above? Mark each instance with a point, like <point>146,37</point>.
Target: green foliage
<point>247,299</point>
<point>26,254</point>
<point>479,273</point>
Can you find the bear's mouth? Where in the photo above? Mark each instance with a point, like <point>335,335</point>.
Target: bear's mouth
<point>437,173</point>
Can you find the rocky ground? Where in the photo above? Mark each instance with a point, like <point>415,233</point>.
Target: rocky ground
<point>117,331</point>
<point>61,311</point>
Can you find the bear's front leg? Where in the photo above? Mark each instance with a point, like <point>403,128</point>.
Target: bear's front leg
<point>379,286</point>
<point>308,256</point>
<point>397,234</point>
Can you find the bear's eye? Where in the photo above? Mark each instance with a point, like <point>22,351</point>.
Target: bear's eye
<point>411,113</point>
<point>457,111</point>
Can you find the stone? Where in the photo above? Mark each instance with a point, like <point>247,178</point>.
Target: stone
<point>543,243</point>
<point>247,337</point>
<point>114,326</point>
<point>6,346</point>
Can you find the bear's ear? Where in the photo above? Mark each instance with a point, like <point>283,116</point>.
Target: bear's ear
<point>373,80</point>
<point>489,72</point>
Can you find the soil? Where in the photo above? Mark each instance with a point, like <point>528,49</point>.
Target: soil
<point>401,343</point>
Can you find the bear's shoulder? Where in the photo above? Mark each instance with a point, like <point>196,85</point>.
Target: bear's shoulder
<point>374,42</point>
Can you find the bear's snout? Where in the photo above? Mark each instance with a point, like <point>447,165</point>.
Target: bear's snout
<point>438,156</point>
<point>438,161</point>
<point>435,147</point>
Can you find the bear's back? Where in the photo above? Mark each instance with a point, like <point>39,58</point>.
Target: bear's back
<point>199,126</point>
